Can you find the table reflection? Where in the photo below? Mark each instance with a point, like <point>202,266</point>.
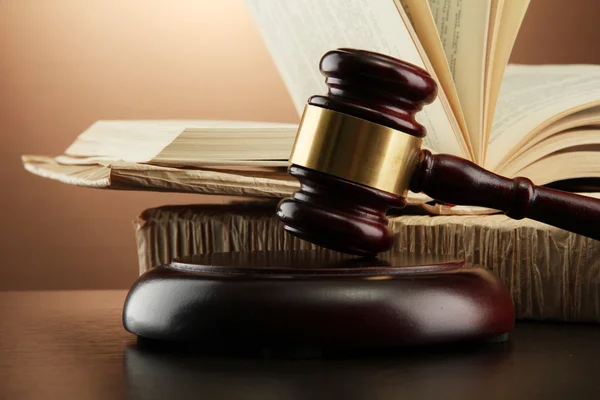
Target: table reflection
<point>155,370</point>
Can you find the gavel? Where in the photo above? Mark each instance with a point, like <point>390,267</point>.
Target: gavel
<point>358,152</point>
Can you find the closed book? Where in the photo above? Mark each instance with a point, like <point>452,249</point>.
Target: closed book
<point>551,274</point>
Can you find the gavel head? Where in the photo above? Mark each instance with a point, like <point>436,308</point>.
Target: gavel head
<point>356,150</point>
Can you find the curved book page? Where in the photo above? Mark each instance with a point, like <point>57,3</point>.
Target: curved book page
<point>507,21</point>
<point>421,18</point>
<point>587,120</point>
<point>533,97</point>
<point>571,141</point>
<point>228,180</point>
<point>463,27</point>
<point>298,33</point>
<point>552,168</point>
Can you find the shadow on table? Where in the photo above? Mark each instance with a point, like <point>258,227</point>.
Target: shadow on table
<point>159,370</point>
<point>540,360</point>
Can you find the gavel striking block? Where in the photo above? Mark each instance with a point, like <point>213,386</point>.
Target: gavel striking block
<point>358,153</point>
<point>317,299</point>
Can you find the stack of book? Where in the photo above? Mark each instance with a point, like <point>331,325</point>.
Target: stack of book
<point>540,121</point>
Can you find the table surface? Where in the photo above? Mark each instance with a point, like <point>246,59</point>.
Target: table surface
<point>72,345</point>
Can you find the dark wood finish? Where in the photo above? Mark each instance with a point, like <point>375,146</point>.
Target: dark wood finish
<point>454,180</point>
<point>318,299</point>
<point>72,345</point>
<point>375,87</point>
<point>350,218</point>
<point>339,215</point>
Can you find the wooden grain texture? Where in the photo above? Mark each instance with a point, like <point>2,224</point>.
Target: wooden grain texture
<point>71,345</point>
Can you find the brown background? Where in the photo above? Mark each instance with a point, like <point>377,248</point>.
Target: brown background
<point>67,63</point>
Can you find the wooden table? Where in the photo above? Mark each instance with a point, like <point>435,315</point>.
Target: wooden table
<point>71,345</point>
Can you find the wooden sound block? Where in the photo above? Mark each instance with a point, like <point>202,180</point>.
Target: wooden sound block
<point>317,298</point>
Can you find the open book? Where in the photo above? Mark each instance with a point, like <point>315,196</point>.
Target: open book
<point>542,122</point>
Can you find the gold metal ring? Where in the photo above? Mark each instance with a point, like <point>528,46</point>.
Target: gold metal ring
<point>356,150</point>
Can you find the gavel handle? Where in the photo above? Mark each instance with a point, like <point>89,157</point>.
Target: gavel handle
<point>457,181</point>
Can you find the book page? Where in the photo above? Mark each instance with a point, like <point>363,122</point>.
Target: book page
<point>122,175</point>
<point>559,143</point>
<point>421,18</point>
<point>195,146</point>
<point>534,96</point>
<point>463,31</point>
<point>560,166</point>
<point>298,33</point>
<point>508,22</point>
<point>588,118</point>
<point>496,8</point>
<point>142,140</point>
